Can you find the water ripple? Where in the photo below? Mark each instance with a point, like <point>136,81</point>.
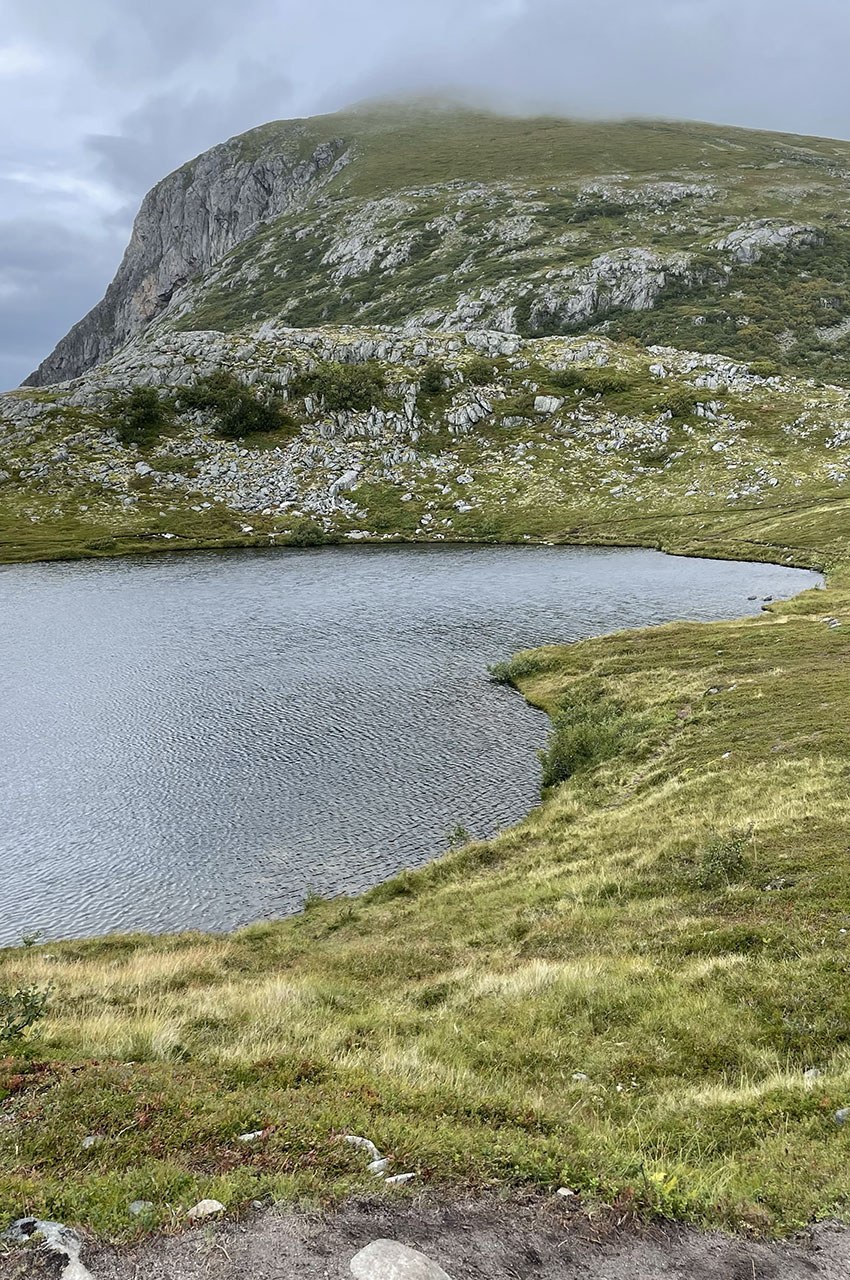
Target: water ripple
<point>196,742</point>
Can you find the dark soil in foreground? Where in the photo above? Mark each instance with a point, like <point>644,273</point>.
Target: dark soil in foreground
<point>486,1237</point>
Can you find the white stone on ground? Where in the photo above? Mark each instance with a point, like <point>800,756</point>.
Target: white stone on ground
<point>205,1209</point>
<point>389,1260</point>
<point>363,1144</point>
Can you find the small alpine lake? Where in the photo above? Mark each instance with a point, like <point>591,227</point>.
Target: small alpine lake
<point>199,741</point>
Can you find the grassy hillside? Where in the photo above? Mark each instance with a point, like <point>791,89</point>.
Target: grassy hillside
<point>639,992</point>
<point>461,218</point>
<point>423,142</point>
<point>561,440</point>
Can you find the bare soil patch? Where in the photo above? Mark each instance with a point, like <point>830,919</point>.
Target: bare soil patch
<point>500,1239</point>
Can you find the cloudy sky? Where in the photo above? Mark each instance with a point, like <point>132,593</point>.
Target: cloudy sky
<point>100,98</point>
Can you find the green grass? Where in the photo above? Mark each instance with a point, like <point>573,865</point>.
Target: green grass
<point>596,472</point>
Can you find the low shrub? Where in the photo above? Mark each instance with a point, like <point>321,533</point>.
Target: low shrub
<point>240,410</point>
<point>596,381</point>
<point>19,1011</point>
<point>681,401</point>
<point>307,533</point>
<point>479,371</point>
<point>517,668</point>
<point>587,210</point>
<point>764,369</point>
<point>139,416</point>
<point>588,729</point>
<point>723,861</point>
<point>343,387</point>
<point>433,380</point>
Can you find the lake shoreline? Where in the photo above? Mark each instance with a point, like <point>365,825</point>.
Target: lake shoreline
<point>418,947</point>
<point>237,657</point>
<point>704,549</point>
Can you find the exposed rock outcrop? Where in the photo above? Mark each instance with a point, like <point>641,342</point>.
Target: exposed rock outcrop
<point>186,223</point>
<point>749,242</point>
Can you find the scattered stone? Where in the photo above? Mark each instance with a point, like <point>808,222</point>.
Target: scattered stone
<point>579,1075</point>
<point>57,1238</point>
<point>251,1137</point>
<point>205,1209</point>
<point>378,1167</point>
<point>138,1207</point>
<point>566,1193</point>
<point>841,1115</point>
<point>363,1144</point>
<point>812,1074</point>
<point>143,469</point>
<point>93,1140</point>
<point>389,1260</point>
<point>398,1179</point>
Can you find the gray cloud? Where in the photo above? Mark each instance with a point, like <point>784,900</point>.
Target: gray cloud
<point>170,128</point>
<point>103,97</point>
<point>48,273</point>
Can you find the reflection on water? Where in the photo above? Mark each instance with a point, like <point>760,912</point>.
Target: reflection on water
<point>196,741</point>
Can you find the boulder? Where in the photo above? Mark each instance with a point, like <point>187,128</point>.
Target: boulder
<point>389,1260</point>
<point>547,404</point>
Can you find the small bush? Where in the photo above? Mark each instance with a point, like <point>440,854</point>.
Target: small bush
<point>139,417</point>
<point>520,405</point>
<point>681,401</point>
<point>343,387</point>
<point>600,207</point>
<point>587,730</point>
<point>764,369</point>
<point>433,380</point>
<point>239,409</point>
<point>479,371</point>
<point>598,381</point>
<point>19,1011</point>
<point>518,668</point>
<point>458,836</point>
<point>723,861</point>
<point>306,533</point>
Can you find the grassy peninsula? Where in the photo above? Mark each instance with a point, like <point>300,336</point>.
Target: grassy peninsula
<point>622,995</point>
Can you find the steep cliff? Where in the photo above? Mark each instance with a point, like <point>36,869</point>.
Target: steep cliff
<point>188,222</point>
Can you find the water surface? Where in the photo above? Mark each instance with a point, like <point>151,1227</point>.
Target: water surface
<point>197,741</point>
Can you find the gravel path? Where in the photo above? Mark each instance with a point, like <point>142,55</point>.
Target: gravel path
<point>486,1237</point>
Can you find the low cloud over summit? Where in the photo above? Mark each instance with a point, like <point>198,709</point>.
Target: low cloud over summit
<point>105,98</point>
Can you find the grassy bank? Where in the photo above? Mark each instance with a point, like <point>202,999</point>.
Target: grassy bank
<point>622,994</point>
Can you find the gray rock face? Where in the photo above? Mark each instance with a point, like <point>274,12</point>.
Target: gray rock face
<point>631,278</point>
<point>749,241</point>
<point>389,1260</point>
<point>187,222</point>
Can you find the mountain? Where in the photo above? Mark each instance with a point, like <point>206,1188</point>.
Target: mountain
<point>435,324</point>
<point>707,237</point>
